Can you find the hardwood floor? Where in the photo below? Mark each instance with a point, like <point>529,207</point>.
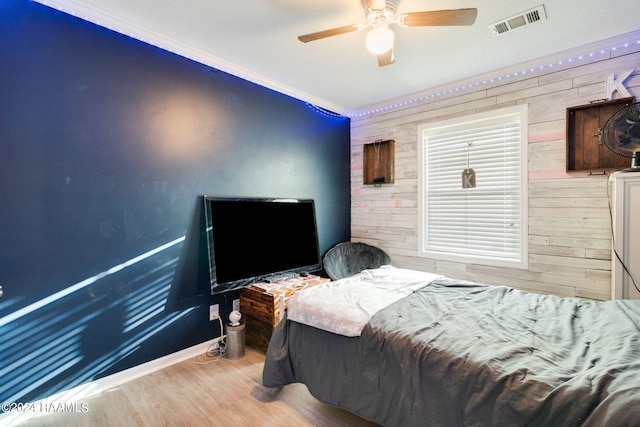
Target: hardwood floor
<point>203,392</point>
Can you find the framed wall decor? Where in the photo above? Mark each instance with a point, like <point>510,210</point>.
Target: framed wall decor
<point>378,162</point>
<point>585,152</point>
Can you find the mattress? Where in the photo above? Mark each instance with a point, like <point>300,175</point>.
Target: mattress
<point>456,353</point>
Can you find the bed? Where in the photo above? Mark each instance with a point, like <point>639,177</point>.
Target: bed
<point>407,348</point>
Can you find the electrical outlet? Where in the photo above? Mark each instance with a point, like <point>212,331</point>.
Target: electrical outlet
<point>214,311</point>
<point>236,304</point>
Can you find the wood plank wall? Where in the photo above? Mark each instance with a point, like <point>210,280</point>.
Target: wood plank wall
<point>569,221</point>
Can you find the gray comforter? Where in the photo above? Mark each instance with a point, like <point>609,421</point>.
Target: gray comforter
<point>461,354</point>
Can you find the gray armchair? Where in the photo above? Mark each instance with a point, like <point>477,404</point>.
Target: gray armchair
<point>349,258</point>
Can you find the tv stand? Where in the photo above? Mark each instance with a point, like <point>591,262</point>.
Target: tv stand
<point>263,305</point>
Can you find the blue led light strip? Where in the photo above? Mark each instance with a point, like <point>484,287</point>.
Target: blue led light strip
<point>539,68</point>
<point>246,75</point>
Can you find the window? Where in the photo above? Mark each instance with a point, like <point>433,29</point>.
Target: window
<point>486,224</point>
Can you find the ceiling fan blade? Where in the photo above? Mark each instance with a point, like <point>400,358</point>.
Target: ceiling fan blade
<point>328,33</point>
<point>439,18</point>
<point>386,58</point>
<point>376,4</point>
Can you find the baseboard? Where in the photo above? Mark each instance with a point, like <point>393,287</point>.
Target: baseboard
<point>84,391</point>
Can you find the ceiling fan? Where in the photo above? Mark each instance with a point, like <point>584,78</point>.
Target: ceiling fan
<point>380,13</point>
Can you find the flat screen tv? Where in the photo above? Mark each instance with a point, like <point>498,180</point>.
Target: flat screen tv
<point>259,239</point>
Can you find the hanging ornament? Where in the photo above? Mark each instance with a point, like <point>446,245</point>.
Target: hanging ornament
<point>468,175</point>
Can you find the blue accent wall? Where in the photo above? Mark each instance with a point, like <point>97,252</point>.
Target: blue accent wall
<point>106,146</point>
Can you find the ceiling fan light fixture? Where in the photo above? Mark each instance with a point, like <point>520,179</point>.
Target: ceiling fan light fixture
<point>380,40</point>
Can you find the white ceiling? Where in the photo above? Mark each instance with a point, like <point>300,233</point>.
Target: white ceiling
<point>257,40</point>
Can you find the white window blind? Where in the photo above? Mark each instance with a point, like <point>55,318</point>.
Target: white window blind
<point>487,223</point>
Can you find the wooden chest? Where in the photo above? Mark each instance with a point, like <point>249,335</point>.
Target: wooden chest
<point>260,305</point>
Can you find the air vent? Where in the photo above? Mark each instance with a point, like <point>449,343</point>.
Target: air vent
<point>518,21</point>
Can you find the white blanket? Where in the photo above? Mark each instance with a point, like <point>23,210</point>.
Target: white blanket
<point>345,306</point>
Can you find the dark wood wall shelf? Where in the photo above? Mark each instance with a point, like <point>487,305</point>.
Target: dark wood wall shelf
<point>378,162</point>
<point>585,153</point>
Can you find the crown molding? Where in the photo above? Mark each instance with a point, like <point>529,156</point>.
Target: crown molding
<point>598,51</point>
<point>130,29</point>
